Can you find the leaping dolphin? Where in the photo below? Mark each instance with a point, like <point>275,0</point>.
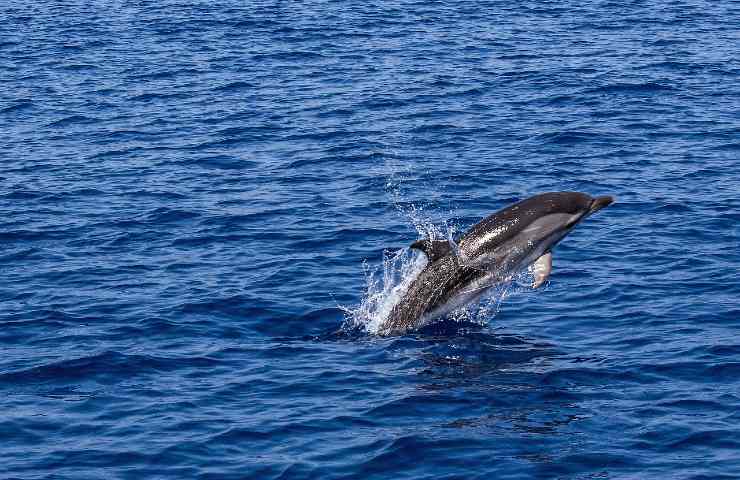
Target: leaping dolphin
<point>488,254</point>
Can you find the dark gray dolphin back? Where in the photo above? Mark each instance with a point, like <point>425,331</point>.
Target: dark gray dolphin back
<point>509,222</point>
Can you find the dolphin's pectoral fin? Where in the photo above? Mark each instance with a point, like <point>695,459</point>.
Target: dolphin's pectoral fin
<point>433,249</point>
<point>541,269</point>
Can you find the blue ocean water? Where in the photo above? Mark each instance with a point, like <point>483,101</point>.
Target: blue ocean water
<point>194,194</point>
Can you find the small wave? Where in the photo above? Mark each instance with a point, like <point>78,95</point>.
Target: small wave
<point>435,128</point>
<point>716,439</point>
<point>234,305</point>
<point>665,42</point>
<point>288,56</point>
<point>569,137</point>
<point>728,147</point>
<point>381,103</point>
<point>168,215</point>
<point>21,195</point>
<point>22,105</point>
<point>32,235</point>
<point>148,97</point>
<point>335,112</point>
<point>22,254</point>
<point>71,120</point>
<point>101,364</point>
<point>222,162</point>
<point>626,88</point>
<point>234,86</point>
<point>78,67</point>
<point>669,65</point>
<point>673,208</point>
<point>205,239</point>
<point>161,195</point>
<point>166,74</point>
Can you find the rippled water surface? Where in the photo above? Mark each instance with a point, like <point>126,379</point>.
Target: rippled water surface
<point>192,195</point>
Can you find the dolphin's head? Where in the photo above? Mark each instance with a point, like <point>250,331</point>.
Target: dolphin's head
<point>530,227</point>
<point>573,206</point>
<point>542,221</point>
<point>552,216</point>
<point>560,211</point>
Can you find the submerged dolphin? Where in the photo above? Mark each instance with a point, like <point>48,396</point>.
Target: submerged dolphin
<point>490,253</point>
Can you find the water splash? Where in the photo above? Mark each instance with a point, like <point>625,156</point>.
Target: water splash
<point>383,290</point>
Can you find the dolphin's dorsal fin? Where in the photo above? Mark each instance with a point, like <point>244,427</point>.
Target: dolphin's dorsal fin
<point>541,269</point>
<point>433,249</point>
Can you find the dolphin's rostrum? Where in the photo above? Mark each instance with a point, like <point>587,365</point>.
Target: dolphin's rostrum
<point>490,253</point>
